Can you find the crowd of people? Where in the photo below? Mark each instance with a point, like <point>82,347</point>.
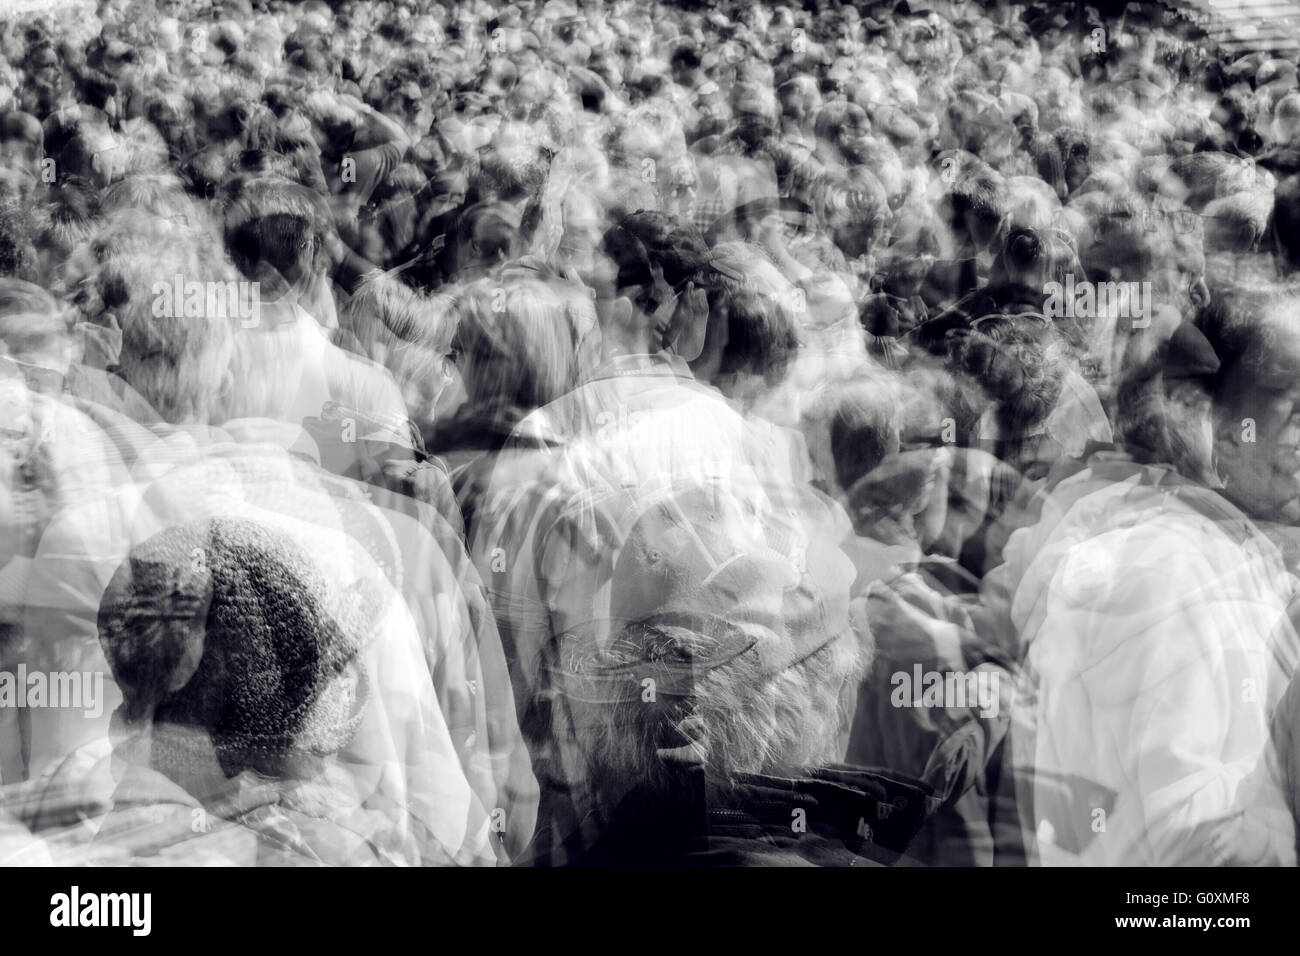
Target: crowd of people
<point>611,432</point>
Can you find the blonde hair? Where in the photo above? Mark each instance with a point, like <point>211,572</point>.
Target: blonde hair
<point>406,332</point>
<point>160,194</point>
<point>177,362</point>
<point>518,340</point>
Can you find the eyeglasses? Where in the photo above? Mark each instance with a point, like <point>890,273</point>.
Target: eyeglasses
<point>997,326</point>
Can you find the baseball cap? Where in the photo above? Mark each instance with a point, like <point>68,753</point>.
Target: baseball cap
<point>704,580</point>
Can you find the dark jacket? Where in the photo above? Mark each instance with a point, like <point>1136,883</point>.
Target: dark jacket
<point>831,816</point>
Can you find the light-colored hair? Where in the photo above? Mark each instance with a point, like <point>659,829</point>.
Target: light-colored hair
<point>160,194</point>
<point>518,341</point>
<point>402,330</point>
<point>746,722</point>
<point>146,151</point>
<point>1237,223</point>
<point>177,362</point>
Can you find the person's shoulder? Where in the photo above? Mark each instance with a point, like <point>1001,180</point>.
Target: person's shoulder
<point>549,427</point>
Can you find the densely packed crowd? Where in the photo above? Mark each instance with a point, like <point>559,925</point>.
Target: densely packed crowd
<point>620,432</point>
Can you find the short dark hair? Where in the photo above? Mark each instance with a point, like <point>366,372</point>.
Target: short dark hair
<point>276,240</point>
<point>685,57</point>
<point>984,196</point>
<point>646,239</point>
<point>18,255</point>
<point>864,431</point>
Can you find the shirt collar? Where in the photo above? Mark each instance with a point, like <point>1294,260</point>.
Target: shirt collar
<point>660,363</point>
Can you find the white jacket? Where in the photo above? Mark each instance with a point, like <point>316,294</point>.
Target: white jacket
<point>1152,622</point>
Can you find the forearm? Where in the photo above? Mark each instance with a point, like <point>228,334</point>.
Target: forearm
<point>376,129</point>
<point>347,268</point>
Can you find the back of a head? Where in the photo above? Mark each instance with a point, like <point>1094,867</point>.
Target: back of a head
<point>752,304</point>
<point>1236,224</point>
<point>33,325</point>
<point>976,205</point>
<point>517,342</point>
<point>1256,339</point>
<point>156,277</point>
<point>647,240</point>
<point>1286,118</point>
<point>383,313</point>
<point>74,208</point>
<point>408,333</point>
<point>864,429</point>
<point>279,241</point>
<point>1028,257</point>
<point>21,134</point>
<point>272,230</point>
<point>159,194</point>
<point>18,297</point>
<point>488,232</point>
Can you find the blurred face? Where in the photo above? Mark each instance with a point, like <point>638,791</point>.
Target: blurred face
<point>421,394</point>
<point>1286,120</point>
<point>601,277</point>
<point>679,189</point>
<point>1189,412</point>
<point>415,113</point>
<point>1077,169</point>
<point>44,67</point>
<point>905,482</point>
<point>19,433</point>
<point>451,193</point>
<point>19,154</point>
<point>581,238</point>
<point>1259,455</point>
<point>77,284</point>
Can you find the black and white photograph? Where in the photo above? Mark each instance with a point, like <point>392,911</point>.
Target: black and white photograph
<point>651,434</point>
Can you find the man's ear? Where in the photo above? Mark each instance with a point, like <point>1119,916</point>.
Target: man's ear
<point>319,258</point>
<point>622,312</point>
<point>1199,293</point>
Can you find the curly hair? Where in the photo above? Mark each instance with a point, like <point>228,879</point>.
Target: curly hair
<point>1020,367</point>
